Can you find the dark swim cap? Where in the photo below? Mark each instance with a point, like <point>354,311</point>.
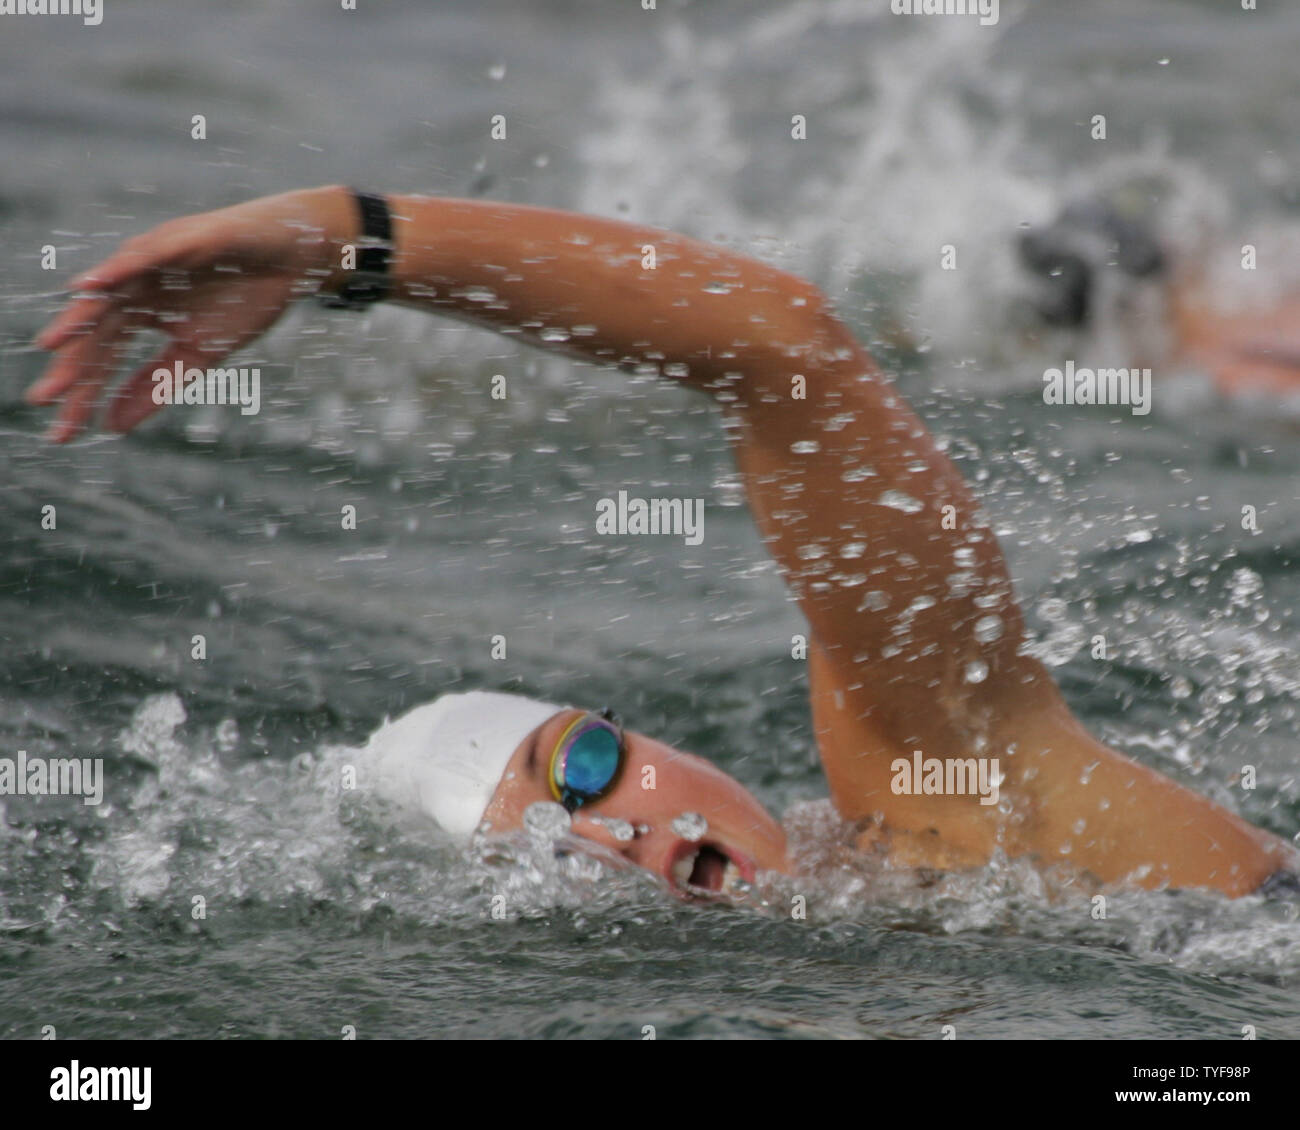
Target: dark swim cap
<point>1067,255</point>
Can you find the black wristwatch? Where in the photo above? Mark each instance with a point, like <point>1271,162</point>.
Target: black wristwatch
<point>369,281</point>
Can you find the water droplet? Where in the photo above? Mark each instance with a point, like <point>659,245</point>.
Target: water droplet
<point>805,447</point>
<point>227,735</point>
<point>1137,537</point>
<point>554,333</point>
<point>690,826</point>
<point>959,584</point>
<point>963,557</point>
<point>621,830</point>
<point>717,287</point>
<point>1052,609</point>
<point>977,671</point>
<point>1180,687</point>
<point>853,549</point>
<point>858,474</point>
<point>874,601</point>
<point>988,629</point>
<point>730,491</point>
<point>897,500</point>
<point>547,820</point>
<point>1245,583</point>
<point>811,552</point>
<point>497,71</point>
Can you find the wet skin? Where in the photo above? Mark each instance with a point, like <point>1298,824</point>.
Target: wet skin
<point>740,830</point>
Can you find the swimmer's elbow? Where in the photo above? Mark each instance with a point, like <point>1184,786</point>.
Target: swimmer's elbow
<point>815,336</point>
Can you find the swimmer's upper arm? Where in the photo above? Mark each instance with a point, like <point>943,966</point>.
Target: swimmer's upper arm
<point>913,618</point>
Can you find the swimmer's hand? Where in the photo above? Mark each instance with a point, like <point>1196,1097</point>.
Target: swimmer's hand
<point>211,282</point>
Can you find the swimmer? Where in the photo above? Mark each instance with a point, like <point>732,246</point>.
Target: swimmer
<point>916,637</point>
<point>1101,253</point>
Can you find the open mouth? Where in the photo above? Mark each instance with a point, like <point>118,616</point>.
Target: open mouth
<point>705,867</point>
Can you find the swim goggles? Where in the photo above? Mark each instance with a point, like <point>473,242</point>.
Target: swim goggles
<point>587,759</point>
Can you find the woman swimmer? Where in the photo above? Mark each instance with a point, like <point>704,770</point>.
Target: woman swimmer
<point>916,635</point>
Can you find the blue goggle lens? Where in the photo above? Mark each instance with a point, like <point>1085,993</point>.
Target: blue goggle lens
<point>592,762</point>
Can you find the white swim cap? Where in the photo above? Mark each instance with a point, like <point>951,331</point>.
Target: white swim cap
<point>446,758</point>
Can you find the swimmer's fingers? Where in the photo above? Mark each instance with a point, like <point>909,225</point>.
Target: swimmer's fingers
<point>134,402</point>
<point>81,334</point>
<point>78,374</point>
<point>134,270</point>
<point>135,258</point>
<point>189,243</point>
<point>78,317</point>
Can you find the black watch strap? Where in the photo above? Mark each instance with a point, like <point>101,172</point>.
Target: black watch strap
<point>369,281</point>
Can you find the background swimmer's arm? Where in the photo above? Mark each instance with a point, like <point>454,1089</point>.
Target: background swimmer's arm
<point>916,636</point>
<point>1252,351</point>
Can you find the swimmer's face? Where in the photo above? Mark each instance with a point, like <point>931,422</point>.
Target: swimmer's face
<point>742,839</point>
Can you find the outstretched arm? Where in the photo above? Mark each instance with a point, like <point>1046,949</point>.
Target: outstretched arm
<point>917,640</point>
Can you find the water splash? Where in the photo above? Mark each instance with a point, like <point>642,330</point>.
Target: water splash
<point>690,826</point>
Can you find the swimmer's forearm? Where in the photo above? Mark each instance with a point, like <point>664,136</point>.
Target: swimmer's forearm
<point>609,291</point>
